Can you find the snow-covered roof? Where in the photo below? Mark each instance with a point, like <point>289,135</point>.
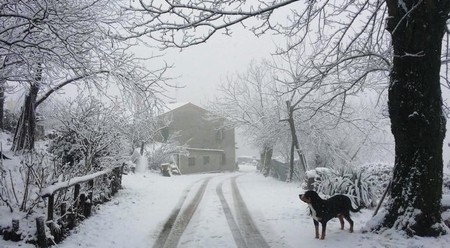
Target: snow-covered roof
<point>174,105</point>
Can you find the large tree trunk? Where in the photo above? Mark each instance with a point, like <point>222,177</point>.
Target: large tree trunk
<point>291,163</point>
<point>26,126</point>
<point>266,159</point>
<point>295,144</point>
<point>417,122</point>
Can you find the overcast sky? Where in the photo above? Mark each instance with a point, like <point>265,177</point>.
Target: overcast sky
<point>203,67</point>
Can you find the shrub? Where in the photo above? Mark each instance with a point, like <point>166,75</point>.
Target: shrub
<point>381,174</point>
<point>353,182</point>
<point>87,138</point>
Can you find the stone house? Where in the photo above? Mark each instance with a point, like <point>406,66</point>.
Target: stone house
<point>211,148</point>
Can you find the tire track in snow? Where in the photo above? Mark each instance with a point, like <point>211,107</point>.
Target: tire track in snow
<point>248,228</point>
<point>237,236</point>
<point>176,224</point>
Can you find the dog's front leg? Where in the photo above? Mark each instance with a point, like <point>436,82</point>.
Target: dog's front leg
<point>316,226</point>
<point>324,228</point>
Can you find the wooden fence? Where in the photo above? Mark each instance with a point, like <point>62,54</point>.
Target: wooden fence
<point>80,208</point>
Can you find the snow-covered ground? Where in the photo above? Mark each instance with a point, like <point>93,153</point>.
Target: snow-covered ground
<point>135,217</point>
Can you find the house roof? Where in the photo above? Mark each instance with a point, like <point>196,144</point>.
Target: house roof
<point>172,106</point>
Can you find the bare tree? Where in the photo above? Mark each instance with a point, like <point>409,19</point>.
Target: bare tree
<point>52,44</point>
<point>88,136</point>
<point>318,96</point>
<point>350,29</point>
<point>250,101</point>
<point>144,123</point>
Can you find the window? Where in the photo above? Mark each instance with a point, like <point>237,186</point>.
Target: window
<point>205,160</point>
<point>220,135</point>
<point>191,162</point>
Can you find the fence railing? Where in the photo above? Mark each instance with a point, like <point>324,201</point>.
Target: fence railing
<point>81,205</point>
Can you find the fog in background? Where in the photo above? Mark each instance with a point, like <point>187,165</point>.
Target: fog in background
<point>201,69</point>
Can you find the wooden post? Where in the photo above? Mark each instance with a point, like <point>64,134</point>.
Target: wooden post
<point>15,234</point>
<point>41,238</point>
<point>120,175</point>
<point>71,218</point>
<point>15,225</point>
<point>76,192</point>
<point>82,203</point>
<point>63,210</point>
<point>114,186</point>
<point>91,191</point>
<point>50,207</point>
<point>88,205</point>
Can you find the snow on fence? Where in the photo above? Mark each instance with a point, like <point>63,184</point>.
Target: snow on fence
<point>82,204</point>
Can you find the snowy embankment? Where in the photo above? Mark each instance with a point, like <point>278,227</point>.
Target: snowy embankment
<point>135,217</point>
<point>284,220</point>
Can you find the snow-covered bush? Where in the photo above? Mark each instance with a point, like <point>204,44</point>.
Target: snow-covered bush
<point>381,175</point>
<point>158,153</point>
<point>9,120</point>
<point>353,182</point>
<point>22,179</point>
<point>88,138</point>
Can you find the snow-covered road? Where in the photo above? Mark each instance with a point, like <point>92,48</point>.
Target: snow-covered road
<point>212,215</point>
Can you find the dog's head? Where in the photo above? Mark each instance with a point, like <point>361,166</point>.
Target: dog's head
<point>308,196</point>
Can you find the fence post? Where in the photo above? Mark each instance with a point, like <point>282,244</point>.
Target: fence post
<point>88,205</point>
<point>114,188</point>
<point>120,175</point>
<point>41,238</point>
<point>71,218</point>
<point>50,207</point>
<point>76,192</point>
<point>91,188</point>
<point>15,233</point>
<point>82,203</point>
<point>15,225</point>
<point>63,210</point>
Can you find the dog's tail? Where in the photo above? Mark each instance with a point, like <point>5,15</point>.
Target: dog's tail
<point>355,209</point>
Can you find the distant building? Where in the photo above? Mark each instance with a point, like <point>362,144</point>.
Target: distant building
<point>210,146</point>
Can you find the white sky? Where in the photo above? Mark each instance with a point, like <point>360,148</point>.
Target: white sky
<point>203,67</point>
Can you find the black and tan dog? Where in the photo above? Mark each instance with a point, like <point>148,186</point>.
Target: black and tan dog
<point>324,210</point>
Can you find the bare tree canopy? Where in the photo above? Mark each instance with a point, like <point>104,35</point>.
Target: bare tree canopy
<point>46,45</point>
